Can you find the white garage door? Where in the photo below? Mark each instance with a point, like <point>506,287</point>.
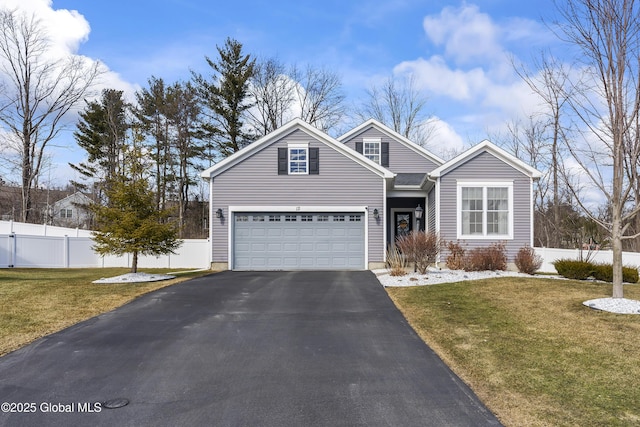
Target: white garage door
<point>298,241</point>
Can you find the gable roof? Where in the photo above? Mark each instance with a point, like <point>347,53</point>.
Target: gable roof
<point>486,146</point>
<point>281,132</point>
<point>373,123</point>
<point>74,198</point>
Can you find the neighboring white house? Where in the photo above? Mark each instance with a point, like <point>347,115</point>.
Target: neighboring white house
<point>69,212</point>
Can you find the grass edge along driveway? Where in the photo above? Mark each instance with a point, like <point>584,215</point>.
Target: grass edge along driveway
<point>38,302</point>
<point>531,351</point>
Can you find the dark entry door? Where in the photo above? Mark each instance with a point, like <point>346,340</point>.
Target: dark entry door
<point>403,222</point>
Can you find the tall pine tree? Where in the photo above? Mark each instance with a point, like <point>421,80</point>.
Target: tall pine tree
<point>101,132</point>
<point>225,97</point>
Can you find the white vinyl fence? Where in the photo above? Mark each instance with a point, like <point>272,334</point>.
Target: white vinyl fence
<point>11,227</point>
<point>549,255</point>
<point>49,249</point>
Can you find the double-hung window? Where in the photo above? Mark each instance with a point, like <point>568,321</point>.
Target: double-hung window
<point>485,210</point>
<point>371,149</point>
<point>298,159</point>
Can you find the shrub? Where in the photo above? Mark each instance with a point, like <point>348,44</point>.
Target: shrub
<point>421,248</point>
<point>573,269</point>
<point>491,258</point>
<point>604,272</point>
<point>396,262</point>
<point>527,260</point>
<point>456,257</point>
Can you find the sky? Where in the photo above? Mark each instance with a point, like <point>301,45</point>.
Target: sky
<point>460,53</point>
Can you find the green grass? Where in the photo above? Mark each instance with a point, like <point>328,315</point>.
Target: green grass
<point>532,352</point>
<point>37,302</point>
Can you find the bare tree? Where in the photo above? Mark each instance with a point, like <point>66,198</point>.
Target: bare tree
<point>319,96</point>
<point>273,95</point>
<point>551,84</point>
<point>38,91</point>
<point>607,102</point>
<point>398,104</point>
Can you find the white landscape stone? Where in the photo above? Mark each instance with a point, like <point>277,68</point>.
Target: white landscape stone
<point>134,278</point>
<point>437,276</point>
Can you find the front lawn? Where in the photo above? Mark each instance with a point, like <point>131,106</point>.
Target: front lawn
<point>531,351</point>
<point>37,302</point>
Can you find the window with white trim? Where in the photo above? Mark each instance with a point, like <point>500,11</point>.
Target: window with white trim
<point>66,213</point>
<point>371,149</point>
<point>485,210</point>
<point>298,159</point>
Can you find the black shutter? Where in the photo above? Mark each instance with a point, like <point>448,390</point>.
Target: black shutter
<point>384,157</point>
<point>282,161</point>
<point>314,161</point>
<point>359,146</point>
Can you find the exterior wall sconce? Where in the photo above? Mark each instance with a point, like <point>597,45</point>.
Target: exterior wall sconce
<point>376,214</point>
<point>419,211</point>
<point>219,213</point>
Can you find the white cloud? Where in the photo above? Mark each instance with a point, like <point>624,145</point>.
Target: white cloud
<point>470,76</point>
<point>445,142</point>
<point>466,33</point>
<point>66,31</point>
<point>435,76</point>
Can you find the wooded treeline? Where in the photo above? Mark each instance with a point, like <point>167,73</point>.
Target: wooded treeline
<point>184,126</point>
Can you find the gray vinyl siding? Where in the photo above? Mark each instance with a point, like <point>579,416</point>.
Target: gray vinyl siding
<point>401,158</point>
<point>486,167</point>
<point>431,212</point>
<point>255,182</point>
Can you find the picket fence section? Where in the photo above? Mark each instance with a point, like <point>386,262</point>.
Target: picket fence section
<point>47,249</point>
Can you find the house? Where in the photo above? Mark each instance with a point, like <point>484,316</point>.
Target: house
<point>300,199</point>
<point>70,211</point>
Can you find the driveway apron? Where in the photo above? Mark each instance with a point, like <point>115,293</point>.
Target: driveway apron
<point>241,349</point>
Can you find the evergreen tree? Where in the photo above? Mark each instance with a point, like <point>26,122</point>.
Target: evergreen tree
<point>152,117</point>
<point>131,221</point>
<point>183,112</point>
<point>226,97</point>
<point>101,132</point>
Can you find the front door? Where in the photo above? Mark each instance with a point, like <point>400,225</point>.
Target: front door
<point>403,223</point>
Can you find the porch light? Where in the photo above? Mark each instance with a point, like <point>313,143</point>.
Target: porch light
<point>419,211</point>
<point>376,214</point>
<point>219,213</point>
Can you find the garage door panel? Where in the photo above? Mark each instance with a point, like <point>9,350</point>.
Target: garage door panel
<point>274,232</point>
<point>293,241</point>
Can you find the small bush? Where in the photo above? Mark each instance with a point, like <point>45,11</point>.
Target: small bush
<point>573,269</point>
<point>491,258</point>
<point>527,260</point>
<point>604,272</point>
<point>396,262</point>
<point>421,248</point>
<point>456,258</point>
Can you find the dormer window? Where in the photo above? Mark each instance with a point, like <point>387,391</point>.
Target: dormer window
<point>371,149</point>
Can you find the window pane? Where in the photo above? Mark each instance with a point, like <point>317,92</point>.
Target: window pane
<point>297,160</point>
<point>497,210</point>
<point>371,151</point>
<point>472,204</point>
<point>497,199</point>
<point>472,198</point>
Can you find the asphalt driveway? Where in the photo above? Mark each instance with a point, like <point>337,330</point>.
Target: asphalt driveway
<point>241,349</point>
